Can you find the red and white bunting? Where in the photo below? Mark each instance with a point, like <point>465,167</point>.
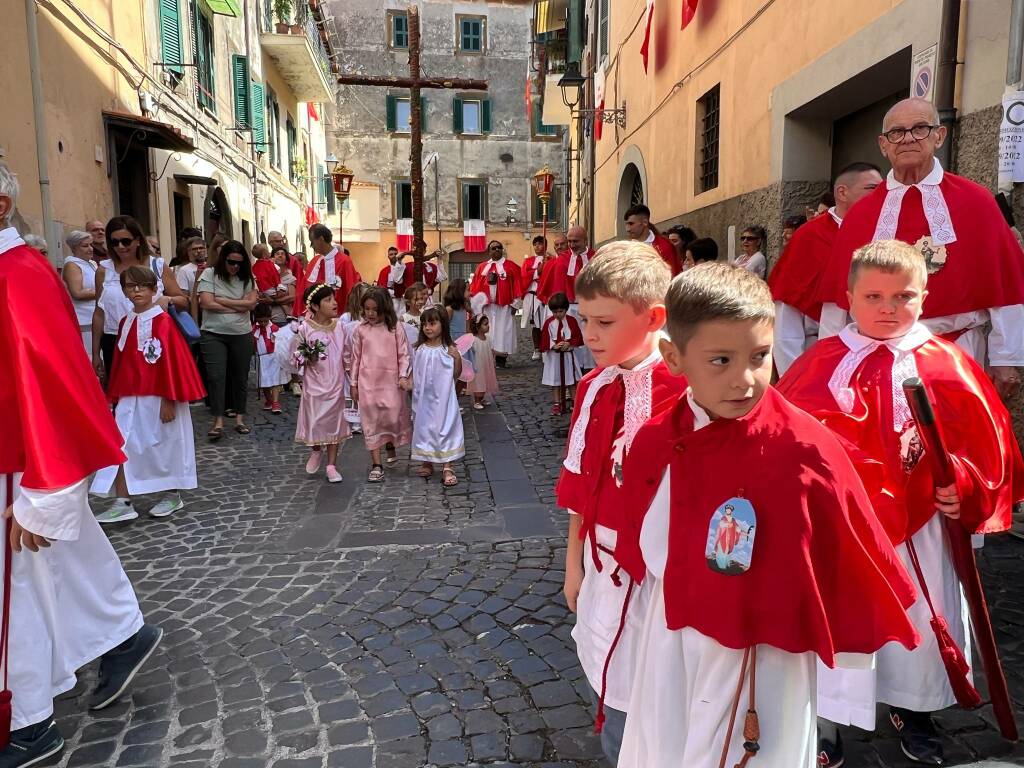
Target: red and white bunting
<point>689,11</point>
<point>403,234</point>
<point>474,236</point>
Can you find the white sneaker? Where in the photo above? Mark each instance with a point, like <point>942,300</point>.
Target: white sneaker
<point>166,507</point>
<point>296,389</point>
<point>313,463</point>
<point>333,475</point>
<point>120,511</point>
<point>536,355</point>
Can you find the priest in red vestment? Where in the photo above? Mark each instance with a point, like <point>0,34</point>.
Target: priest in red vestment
<point>853,384</point>
<point>975,265</point>
<point>330,265</point>
<point>794,279</point>
<point>638,227</point>
<point>501,282</point>
<point>70,599</point>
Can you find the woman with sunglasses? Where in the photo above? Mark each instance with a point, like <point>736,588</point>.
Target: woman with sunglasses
<point>751,258</point>
<point>227,295</point>
<point>126,246</point>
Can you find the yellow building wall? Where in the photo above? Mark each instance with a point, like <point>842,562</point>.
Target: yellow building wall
<point>684,65</point>
<point>77,85</point>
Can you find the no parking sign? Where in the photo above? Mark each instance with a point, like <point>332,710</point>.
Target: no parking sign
<point>1011,140</point>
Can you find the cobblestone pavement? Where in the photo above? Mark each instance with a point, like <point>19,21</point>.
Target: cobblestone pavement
<point>395,626</point>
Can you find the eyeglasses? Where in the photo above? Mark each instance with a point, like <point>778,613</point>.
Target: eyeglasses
<point>124,242</point>
<point>233,263</point>
<point>131,287</point>
<point>748,238</point>
<point>496,247</point>
<point>917,132</point>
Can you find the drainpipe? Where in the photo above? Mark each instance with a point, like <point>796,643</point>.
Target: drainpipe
<point>945,77</point>
<point>1014,54</point>
<point>35,71</point>
<point>592,139</point>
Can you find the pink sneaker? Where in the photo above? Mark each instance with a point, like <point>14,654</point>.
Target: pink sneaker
<point>333,475</point>
<point>313,464</point>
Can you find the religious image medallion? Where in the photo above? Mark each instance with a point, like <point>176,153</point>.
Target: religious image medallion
<point>934,255</point>
<point>730,542</point>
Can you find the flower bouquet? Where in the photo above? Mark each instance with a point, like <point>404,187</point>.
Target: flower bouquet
<point>308,352</point>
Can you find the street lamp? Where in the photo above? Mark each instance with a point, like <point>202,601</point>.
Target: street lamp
<point>572,81</point>
<point>341,179</point>
<point>543,182</point>
<point>511,208</point>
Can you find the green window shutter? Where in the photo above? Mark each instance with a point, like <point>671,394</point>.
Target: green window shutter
<point>457,115</point>
<point>328,190</point>
<point>259,124</point>
<point>391,120</point>
<point>240,87</point>
<point>465,201</point>
<point>577,24</point>
<point>485,116</point>
<point>423,114</point>
<point>170,36</point>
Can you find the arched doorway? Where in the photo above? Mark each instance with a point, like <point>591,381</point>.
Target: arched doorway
<point>217,215</point>
<point>631,192</point>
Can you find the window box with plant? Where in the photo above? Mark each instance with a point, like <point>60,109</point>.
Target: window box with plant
<point>283,12</point>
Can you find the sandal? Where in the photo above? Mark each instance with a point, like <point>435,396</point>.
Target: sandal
<point>376,474</point>
<point>392,457</point>
<point>425,471</point>
<point>230,413</point>
<point>449,478</point>
<point>242,429</point>
<point>215,434</point>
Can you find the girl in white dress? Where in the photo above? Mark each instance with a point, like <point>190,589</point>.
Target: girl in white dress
<point>437,435</point>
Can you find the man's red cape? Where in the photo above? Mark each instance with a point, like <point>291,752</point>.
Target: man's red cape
<point>667,251</point>
<point>56,424</point>
<point>974,423</point>
<point>794,279</point>
<point>530,272</point>
<point>593,493</point>
<point>823,576</point>
<point>398,288</point>
<point>984,267</point>
<point>509,288</point>
<point>173,376</point>
<point>315,274</point>
<point>555,277</point>
<point>570,332</point>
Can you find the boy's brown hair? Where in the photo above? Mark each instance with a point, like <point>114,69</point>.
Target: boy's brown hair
<point>715,291</point>
<point>626,270</point>
<point>140,276</point>
<point>890,256</point>
<point>416,288</point>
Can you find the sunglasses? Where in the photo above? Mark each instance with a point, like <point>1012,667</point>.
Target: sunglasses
<point>124,242</point>
<point>749,237</point>
<point>233,263</point>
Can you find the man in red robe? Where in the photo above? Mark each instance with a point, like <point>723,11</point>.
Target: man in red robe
<point>794,279</point>
<point>330,265</point>
<point>638,227</point>
<point>975,265</point>
<point>399,275</point>
<point>535,311</point>
<point>70,599</point>
<point>501,282</point>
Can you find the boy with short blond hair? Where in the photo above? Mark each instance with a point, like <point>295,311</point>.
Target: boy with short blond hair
<point>754,537</point>
<point>853,383</point>
<point>621,294</point>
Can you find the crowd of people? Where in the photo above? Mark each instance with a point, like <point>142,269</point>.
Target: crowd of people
<point>773,487</point>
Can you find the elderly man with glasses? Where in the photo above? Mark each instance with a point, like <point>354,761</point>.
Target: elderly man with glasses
<point>975,265</point>
<point>500,282</point>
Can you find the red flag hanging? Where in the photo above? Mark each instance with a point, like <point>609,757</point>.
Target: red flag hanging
<point>645,49</point>
<point>598,101</point>
<point>403,234</point>
<point>529,99</point>
<point>689,11</point>
<point>474,236</point>
<point>311,111</point>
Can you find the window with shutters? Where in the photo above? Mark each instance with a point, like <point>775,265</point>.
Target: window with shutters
<point>708,113</point>
<point>471,32</point>
<point>273,128</point>
<point>403,199</point>
<point>554,209</point>
<point>259,117</point>
<point>399,114</point>
<point>471,116</point>
<point>202,48</point>
<point>293,138</point>
<point>398,30</point>
<point>241,95</point>
<point>402,114</point>
<point>170,38</point>
<point>328,187</point>
<point>602,29</point>
<point>472,199</point>
<point>539,128</point>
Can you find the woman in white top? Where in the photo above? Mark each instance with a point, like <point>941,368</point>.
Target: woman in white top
<point>127,246</point>
<point>79,275</point>
<point>751,259</point>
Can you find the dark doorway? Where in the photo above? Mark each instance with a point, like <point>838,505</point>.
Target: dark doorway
<point>217,215</point>
<point>131,177</point>
<point>182,213</point>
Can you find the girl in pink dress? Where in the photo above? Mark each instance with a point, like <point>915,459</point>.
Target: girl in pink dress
<point>485,382</point>
<point>380,376</point>
<point>320,347</point>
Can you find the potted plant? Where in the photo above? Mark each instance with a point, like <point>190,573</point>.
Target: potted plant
<point>283,12</point>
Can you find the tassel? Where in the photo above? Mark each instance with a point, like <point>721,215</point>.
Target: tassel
<point>5,718</point>
<point>599,720</point>
<point>956,665</point>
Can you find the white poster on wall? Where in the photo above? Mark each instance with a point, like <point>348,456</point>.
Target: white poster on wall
<point>1011,140</point>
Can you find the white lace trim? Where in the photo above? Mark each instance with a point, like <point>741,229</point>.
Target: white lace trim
<point>145,328</point>
<point>936,212</point>
<point>636,411</point>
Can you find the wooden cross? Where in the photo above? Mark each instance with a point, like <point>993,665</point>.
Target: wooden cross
<point>414,82</point>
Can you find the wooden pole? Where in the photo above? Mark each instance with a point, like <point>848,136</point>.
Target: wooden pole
<point>416,139</point>
<point>394,81</point>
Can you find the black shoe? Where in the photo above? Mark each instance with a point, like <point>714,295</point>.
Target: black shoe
<point>918,738</point>
<point>830,754</point>
<point>32,745</point>
<point>120,665</point>
<point>501,361</point>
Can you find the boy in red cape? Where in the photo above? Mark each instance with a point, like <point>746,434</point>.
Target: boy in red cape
<point>621,294</point>
<point>70,598</point>
<point>729,648</point>
<point>152,381</point>
<point>853,383</point>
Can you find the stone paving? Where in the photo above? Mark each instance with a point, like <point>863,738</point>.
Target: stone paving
<point>391,626</point>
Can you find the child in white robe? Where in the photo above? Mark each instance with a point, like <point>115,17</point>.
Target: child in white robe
<point>271,377</point>
<point>560,336</point>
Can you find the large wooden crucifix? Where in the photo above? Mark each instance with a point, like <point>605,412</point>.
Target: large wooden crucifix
<point>415,82</point>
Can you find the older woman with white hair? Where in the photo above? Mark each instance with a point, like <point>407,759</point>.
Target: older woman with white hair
<point>37,242</point>
<point>79,275</point>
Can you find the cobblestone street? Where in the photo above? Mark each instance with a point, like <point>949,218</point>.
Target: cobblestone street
<point>396,625</point>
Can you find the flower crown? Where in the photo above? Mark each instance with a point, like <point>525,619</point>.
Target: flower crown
<point>309,300</point>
